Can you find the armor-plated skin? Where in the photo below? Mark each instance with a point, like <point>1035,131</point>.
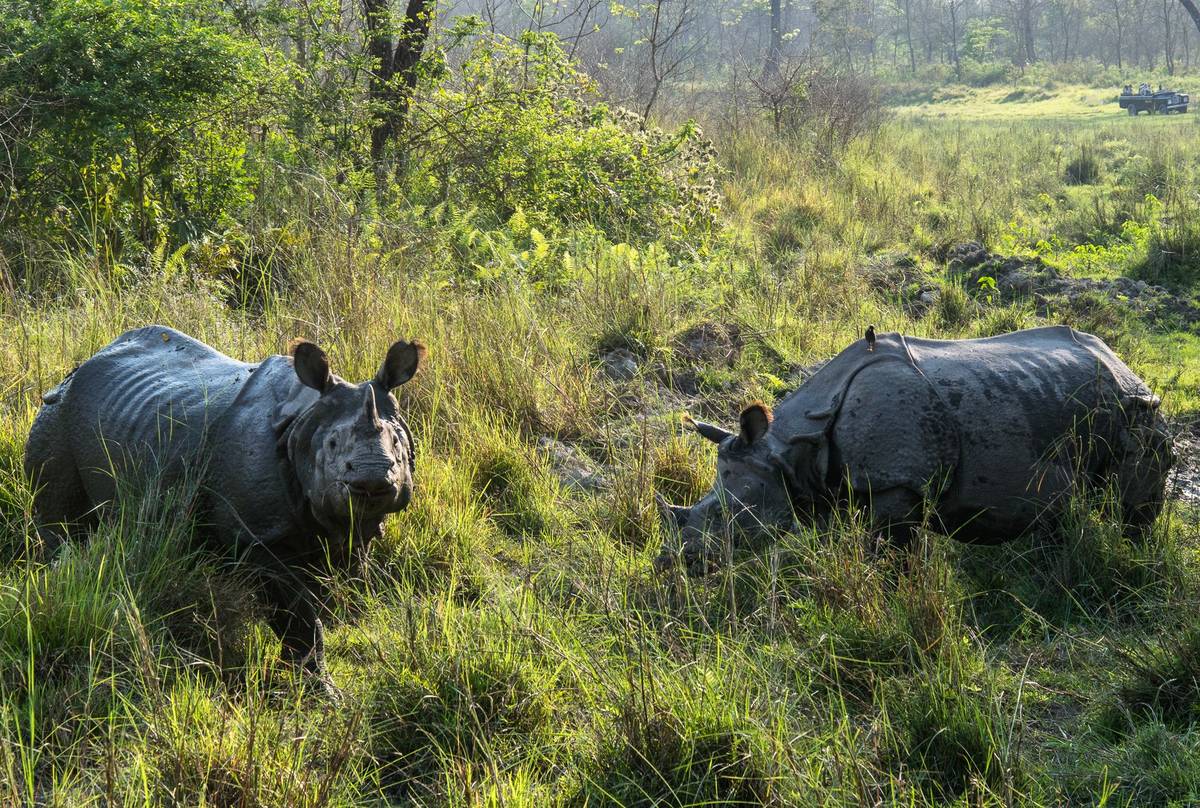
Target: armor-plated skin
<point>995,434</point>
<point>298,467</point>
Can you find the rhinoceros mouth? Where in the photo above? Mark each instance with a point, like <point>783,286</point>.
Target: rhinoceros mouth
<point>371,493</point>
<point>376,497</point>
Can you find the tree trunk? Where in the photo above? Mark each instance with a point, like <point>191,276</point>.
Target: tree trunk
<point>1191,9</point>
<point>393,75</point>
<point>775,49</point>
<point>1168,45</point>
<point>954,40</point>
<point>912,54</point>
<point>1120,35</point>
<point>1027,29</point>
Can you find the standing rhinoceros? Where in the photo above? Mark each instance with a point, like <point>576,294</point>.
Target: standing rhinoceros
<point>298,467</point>
<point>994,434</point>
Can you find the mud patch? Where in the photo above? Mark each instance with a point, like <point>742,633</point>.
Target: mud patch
<point>1184,482</point>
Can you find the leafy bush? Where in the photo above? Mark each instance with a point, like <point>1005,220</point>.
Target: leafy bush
<point>519,131</point>
<point>123,115</point>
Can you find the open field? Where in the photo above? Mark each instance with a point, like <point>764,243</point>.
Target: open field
<point>997,104</point>
<point>512,645</point>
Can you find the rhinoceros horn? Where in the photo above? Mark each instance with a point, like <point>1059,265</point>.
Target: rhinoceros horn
<point>371,410</point>
<point>711,431</point>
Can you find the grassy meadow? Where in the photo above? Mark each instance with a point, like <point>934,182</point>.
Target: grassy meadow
<point>512,644</point>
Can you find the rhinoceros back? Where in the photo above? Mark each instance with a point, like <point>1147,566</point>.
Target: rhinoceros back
<point>145,402</point>
<point>1033,409</point>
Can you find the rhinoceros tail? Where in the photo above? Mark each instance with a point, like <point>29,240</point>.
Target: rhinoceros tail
<point>55,393</point>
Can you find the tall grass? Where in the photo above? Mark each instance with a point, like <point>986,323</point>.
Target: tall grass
<point>512,645</point>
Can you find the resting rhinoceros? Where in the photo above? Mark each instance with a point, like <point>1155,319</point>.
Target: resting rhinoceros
<point>994,434</point>
<point>298,467</point>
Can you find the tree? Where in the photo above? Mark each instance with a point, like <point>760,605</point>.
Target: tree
<point>955,9</point>
<point>1117,28</point>
<point>666,35</point>
<point>394,70</point>
<point>906,7</point>
<point>1024,15</point>
<point>1192,10</point>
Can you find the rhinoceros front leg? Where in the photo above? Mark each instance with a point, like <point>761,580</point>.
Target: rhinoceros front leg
<point>897,512</point>
<point>294,598</point>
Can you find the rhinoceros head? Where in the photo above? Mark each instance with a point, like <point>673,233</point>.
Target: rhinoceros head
<point>750,497</point>
<point>350,449</point>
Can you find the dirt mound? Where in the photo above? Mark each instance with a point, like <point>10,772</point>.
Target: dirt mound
<point>710,343</point>
<point>1012,278</point>
<point>899,277</point>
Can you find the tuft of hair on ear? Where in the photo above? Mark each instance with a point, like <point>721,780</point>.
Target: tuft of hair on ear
<point>758,404</point>
<point>293,344</point>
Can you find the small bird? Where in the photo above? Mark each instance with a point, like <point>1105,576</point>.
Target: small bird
<point>870,338</point>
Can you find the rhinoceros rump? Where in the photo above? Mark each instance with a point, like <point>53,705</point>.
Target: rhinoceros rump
<point>993,434</point>
<point>298,467</point>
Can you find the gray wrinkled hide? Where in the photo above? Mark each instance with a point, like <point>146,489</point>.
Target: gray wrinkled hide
<point>994,433</point>
<point>295,480</point>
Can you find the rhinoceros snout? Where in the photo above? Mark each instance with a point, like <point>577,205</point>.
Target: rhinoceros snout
<point>371,488</point>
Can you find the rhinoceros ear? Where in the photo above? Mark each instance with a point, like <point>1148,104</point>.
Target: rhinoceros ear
<point>312,366</point>
<point>673,515</point>
<point>710,432</point>
<point>401,364</point>
<point>755,420</point>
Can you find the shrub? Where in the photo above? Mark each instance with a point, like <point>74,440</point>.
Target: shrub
<point>950,736</point>
<point>517,491</point>
<point>1173,249</point>
<point>460,709</point>
<point>673,757</point>
<point>1163,680</point>
<point>519,131</point>
<point>954,308</point>
<point>140,101</point>
<point>831,106</point>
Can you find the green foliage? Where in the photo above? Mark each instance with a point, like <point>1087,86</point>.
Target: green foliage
<point>126,116</point>
<point>954,307</point>
<point>514,489</point>
<point>518,131</point>
<point>512,644</point>
<point>950,734</point>
<point>1163,679</point>
<point>662,760</point>
<point>471,707</point>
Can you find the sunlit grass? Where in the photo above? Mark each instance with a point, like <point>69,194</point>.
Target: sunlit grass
<point>512,645</point>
